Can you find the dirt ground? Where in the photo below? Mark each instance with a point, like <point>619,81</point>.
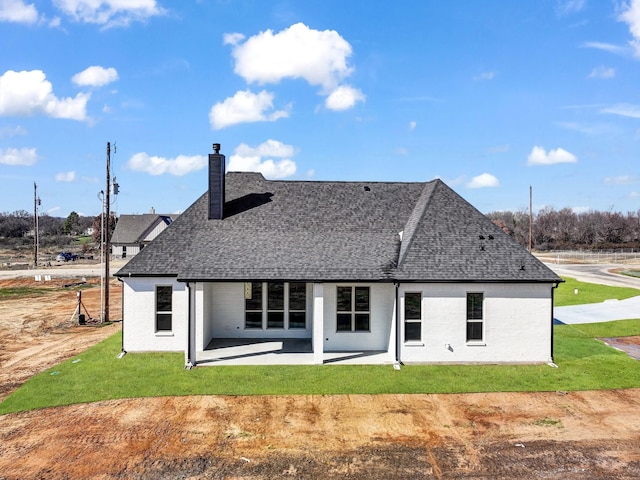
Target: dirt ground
<point>555,435</point>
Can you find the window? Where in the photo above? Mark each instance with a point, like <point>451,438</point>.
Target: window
<point>297,305</point>
<point>278,305</point>
<point>253,305</point>
<point>275,305</point>
<point>352,307</point>
<point>164,302</point>
<point>474,316</point>
<point>412,317</point>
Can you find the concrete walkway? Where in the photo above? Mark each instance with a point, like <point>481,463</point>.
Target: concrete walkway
<point>606,311</point>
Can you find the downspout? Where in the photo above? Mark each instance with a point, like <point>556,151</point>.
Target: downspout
<point>190,361</point>
<point>398,343</point>
<point>556,285</point>
<point>123,352</point>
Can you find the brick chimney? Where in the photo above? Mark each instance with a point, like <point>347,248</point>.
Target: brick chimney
<point>216,184</point>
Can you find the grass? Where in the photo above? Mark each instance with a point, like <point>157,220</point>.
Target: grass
<point>17,292</point>
<point>585,363</point>
<point>589,293</point>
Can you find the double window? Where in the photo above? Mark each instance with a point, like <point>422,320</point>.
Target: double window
<point>164,306</point>
<point>412,317</point>
<point>279,305</point>
<point>353,309</point>
<point>475,317</point>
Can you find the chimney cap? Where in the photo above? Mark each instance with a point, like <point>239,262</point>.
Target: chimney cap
<point>216,148</point>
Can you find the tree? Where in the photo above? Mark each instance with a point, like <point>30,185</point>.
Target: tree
<point>71,224</point>
<point>16,224</point>
<point>97,227</point>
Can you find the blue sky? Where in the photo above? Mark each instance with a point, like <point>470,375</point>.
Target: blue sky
<point>490,96</point>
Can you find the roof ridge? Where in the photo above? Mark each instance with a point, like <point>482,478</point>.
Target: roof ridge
<point>414,219</point>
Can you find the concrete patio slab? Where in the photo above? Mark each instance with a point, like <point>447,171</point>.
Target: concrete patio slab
<point>290,351</point>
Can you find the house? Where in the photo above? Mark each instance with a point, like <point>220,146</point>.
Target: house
<point>409,269</point>
<point>134,232</point>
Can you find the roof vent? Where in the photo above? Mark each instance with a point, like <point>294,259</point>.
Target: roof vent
<point>367,188</point>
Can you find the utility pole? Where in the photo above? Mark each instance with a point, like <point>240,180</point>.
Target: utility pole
<point>36,240</point>
<point>530,218</point>
<point>107,237</point>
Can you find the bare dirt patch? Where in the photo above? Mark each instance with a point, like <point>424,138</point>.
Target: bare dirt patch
<point>556,435</point>
<point>39,329</point>
<point>510,436</point>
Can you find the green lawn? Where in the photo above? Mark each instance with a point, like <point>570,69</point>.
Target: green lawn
<point>589,293</point>
<point>584,364</point>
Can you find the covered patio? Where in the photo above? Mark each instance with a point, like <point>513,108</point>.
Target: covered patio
<point>280,351</point>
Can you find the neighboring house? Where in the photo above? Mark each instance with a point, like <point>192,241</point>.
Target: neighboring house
<point>408,269</point>
<point>134,232</point>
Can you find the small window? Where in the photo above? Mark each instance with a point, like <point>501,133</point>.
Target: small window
<point>253,305</point>
<point>412,317</point>
<point>475,318</point>
<point>353,311</point>
<point>164,305</point>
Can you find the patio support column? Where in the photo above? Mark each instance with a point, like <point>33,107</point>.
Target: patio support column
<point>318,323</point>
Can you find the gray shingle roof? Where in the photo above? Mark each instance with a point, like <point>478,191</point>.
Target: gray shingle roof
<point>336,231</point>
<point>132,229</point>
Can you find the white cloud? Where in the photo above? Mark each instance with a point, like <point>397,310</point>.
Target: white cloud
<point>631,16</point>
<point>623,109</point>
<point>567,7</point>
<point>232,38</point>
<point>607,47</point>
<point>245,107</point>
<point>602,72</point>
<point>620,180</point>
<point>412,125</point>
<point>110,13</point>
<point>485,180</point>
<point>485,76</point>
<point>588,129</point>
<point>498,149</point>
<point>95,76</point>
<point>18,156</point>
<point>65,176</point>
<point>16,11</point>
<point>250,159</point>
<point>181,165</point>
<point>343,98</point>
<point>539,156</point>
<point>318,56</point>
<point>28,93</point>
<point>12,131</point>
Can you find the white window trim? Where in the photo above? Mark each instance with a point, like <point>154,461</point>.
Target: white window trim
<point>475,343</point>
<point>412,343</point>
<point>265,312</point>
<point>161,333</point>
<point>353,311</point>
